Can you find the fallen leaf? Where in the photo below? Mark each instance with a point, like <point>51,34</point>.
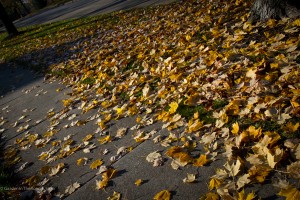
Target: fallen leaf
<point>115,196</point>
<point>72,188</point>
<point>191,178</point>
<point>162,195</point>
<point>96,164</point>
<point>201,161</point>
<point>138,182</point>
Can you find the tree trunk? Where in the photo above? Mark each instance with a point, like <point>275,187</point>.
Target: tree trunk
<point>11,29</point>
<point>277,9</point>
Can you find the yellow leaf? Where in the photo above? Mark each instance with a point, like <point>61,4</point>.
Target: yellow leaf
<point>162,195</point>
<point>291,193</point>
<point>179,155</point>
<point>95,164</point>
<point>101,184</point>
<point>292,127</point>
<point>119,111</point>
<point>202,160</point>
<point>274,65</point>
<point>32,181</point>
<point>138,119</point>
<point>211,58</point>
<point>102,125</point>
<point>296,22</point>
<point>188,37</point>
<point>173,107</point>
<point>214,183</point>
<point>194,125</point>
<point>106,104</point>
<point>105,139</point>
<point>211,196</point>
<point>80,161</point>
<point>250,196</point>
<point>138,182</point>
<point>109,174</point>
<point>87,138</point>
<point>115,196</point>
<point>44,170</point>
<point>43,156</point>
<point>235,128</point>
<point>255,133</point>
<point>241,196</point>
<point>67,102</point>
<point>259,172</point>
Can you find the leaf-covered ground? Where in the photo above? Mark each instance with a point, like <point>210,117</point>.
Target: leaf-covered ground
<point>197,66</point>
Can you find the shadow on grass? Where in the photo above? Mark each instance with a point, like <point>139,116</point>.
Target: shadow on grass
<point>48,30</point>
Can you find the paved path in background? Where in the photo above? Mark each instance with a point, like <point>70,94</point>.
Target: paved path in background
<point>83,8</point>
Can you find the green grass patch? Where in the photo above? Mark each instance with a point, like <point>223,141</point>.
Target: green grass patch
<point>188,112</point>
<point>88,81</point>
<point>297,59</point>
<point>124,96</point>
<point>40,37</point>
<point>219,103</point>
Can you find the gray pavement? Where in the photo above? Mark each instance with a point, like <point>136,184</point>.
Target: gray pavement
<point>35,97</point>
<point>26,103</point>
<point>83,8</point>
<point>27,99</point>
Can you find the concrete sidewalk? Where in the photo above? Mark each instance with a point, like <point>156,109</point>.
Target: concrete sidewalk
<point>83,8</point>
<point>34,100</point>
<point>27,112</point>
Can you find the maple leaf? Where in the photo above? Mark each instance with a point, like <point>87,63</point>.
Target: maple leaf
<point>58,168</point>
<point>105,139</point>
<point>291,193</point>
<point>82,161</point>
<point>214,183</point>
<point>173,107</point>
<point>162,195</point>
<point>115,196</point>
<point>235,128</point>
<point>179,155</point>
<point>32,181</point>
<point>201,161</point>
<point>211,196</point>
<point>241,196</point>
<point>191,178</point>
<point>72,188</point>
<point>96,164</point>
<point>234,168</point>
<point>155,158</point>
<point>243,180</point>
<point>195,126</point>
<point>259,172</point>
<point>121,132</point>
<point>100,184</point>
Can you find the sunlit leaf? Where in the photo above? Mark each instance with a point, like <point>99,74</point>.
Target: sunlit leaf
<point>96,164</point>
<point>162,195</point>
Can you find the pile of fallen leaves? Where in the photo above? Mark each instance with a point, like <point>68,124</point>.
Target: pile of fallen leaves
<point>197,66</point>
